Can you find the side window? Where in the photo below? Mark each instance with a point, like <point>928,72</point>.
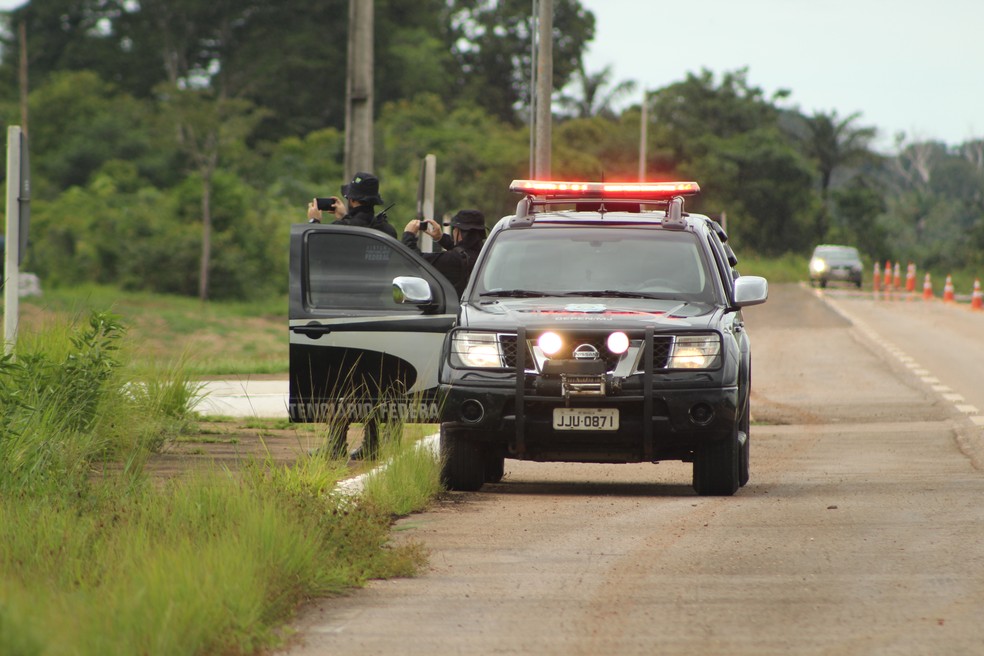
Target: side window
<point>355,272</point>
<point>728,274</point>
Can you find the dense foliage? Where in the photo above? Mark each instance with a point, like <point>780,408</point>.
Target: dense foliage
<point>165,128</point>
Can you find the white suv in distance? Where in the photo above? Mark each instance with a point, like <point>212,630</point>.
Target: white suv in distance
<point>835,263</point>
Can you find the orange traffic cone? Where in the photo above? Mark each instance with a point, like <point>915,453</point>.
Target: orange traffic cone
<point>927,288</point>
<point>948,290</point>
<point>896,277</point>
<point>976,299</point>
<point>910,278</point>
<point>876,278</point>
<point>887,278</point>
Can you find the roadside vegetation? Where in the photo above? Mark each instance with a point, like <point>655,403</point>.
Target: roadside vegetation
<point>97,556</point>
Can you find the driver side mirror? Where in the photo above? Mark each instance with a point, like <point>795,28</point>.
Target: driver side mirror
<point>413,290</point>
<point>751,290</point>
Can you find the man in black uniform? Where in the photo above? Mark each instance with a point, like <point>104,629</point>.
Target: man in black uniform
<point>362,194</point>
<point>461,247</point>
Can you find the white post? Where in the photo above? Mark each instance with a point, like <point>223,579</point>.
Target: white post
<point>427,206</point>
<point>11,277</point>
<point>643,135</point>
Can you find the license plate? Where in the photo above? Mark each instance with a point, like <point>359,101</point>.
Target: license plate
<point>589,419</point>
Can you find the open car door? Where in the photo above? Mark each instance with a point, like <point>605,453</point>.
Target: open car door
<point>356,352</point>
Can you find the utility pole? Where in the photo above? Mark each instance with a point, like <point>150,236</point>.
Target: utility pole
<point>534,32</point>
<point>359,89</point>
<point>544,89</point>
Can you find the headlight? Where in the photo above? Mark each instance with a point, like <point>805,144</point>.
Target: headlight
<point>818,265</point>
<point>695,352</point>
<point>481,350</point>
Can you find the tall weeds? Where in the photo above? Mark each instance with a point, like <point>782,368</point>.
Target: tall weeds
<point>95,559</point>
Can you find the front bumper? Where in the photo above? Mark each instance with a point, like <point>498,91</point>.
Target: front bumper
<point>837,274</point>
<point>654,424</point>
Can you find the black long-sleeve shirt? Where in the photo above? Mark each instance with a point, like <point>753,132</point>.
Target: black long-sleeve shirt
<point>454,263</point>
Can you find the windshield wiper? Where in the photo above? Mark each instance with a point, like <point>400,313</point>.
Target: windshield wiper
<point>613,293</point>
<point>516,293</point>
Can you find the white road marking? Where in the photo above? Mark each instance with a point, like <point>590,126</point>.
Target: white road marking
<point>907,361</point>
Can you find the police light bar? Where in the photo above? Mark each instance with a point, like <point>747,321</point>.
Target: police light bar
<point>635,190</point>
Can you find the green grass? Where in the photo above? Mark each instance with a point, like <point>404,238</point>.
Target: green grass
<point>96,557</point>
<point>412,476</point>
<point>213,338</point>
<point>788,268</point>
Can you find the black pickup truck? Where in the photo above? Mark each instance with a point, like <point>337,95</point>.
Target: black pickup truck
<point>602,323</point>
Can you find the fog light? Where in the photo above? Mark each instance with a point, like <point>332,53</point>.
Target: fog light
<point>472,411</point>
<point>550,343</point>
<point>618,343</point>
<point>701,414</point>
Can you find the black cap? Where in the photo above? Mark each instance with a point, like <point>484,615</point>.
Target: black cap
<point>363,188</point>
<point>468,220</point>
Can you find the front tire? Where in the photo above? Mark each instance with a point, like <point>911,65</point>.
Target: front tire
<point>745,443</point>
<point>716,467</point>
<point>495,468</point>
<point>463,461</point>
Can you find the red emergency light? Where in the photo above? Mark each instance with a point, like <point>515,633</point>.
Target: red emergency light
<point>634,190</point>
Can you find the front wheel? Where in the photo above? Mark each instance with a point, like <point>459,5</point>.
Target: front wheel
<point>463,462</point>
<point>495,468</point>
<point>745,444</point>
<point>717,465</point>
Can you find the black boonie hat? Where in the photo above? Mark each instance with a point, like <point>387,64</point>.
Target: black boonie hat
<point>363,188</point>
<point>468,220</point>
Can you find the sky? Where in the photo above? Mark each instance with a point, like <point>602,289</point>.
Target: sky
<point>907,66</point>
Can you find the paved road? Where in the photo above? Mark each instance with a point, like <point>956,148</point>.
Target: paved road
<point>860,532</point>
<point>941,343</point>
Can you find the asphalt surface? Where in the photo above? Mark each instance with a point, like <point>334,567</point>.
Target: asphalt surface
<point>861,530</point>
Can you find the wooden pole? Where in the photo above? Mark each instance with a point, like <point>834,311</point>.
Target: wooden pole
<point>359,89</point>
<point>544,90</point>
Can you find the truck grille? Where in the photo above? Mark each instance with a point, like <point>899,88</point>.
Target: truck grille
<point>662,344</point>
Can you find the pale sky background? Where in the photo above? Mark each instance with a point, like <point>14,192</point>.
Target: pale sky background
<point>906,65</point>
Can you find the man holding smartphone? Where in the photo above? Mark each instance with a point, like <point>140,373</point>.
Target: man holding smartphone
<point>362,194</point>
<point>461,247</point>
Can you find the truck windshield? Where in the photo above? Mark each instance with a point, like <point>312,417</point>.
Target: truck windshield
<point>564,260</point>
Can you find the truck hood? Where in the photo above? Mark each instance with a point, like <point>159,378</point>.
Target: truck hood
<point>507,314</point>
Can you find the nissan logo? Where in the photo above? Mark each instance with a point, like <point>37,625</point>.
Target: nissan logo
<point>586,352</point>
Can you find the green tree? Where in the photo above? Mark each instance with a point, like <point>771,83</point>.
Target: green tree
<point>833,143</point>
<point>206,126</point>
<point>79,122</point>
<point>596,93</point>
<point>71,35</point>
<point>859,204</point>
<point>691,114</point>
<point>726,135</point>
<point>763,184</point>
<point>492,47</point>
<point>477,156</point>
